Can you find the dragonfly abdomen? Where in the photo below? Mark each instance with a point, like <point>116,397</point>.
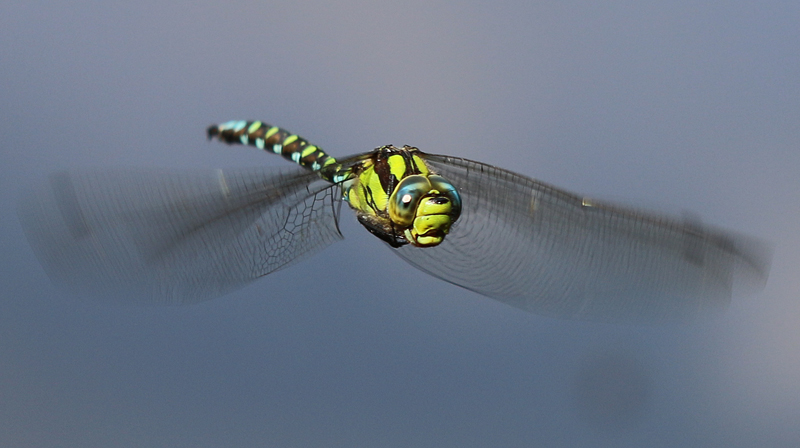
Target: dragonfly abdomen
<point>272,139</point>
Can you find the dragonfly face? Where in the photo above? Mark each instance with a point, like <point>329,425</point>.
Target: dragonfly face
<point>400,200</point>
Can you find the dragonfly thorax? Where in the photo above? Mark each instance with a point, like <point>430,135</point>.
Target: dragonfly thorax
<point>399,199</point>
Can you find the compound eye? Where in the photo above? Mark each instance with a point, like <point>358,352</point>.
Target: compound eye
<point>449,191</point>
<point>405,197</point>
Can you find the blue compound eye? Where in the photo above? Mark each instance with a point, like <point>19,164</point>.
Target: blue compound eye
<point>403,201</point>
<point>449,191</point>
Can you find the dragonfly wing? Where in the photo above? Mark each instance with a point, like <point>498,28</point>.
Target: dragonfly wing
<point>553,253</point>
<point>171,238</point>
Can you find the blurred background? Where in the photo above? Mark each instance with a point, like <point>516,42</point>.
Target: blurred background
<point>672,105</point>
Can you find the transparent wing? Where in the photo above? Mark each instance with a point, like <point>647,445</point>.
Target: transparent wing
<point>550,252</point>
<point>172,238</point>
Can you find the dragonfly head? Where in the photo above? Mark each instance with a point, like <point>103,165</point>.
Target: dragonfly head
<point>426,206</point>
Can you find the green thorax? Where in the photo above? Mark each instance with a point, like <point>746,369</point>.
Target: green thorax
<point>375,178</point>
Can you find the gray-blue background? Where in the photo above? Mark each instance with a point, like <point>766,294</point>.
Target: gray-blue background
<point>668,104</point>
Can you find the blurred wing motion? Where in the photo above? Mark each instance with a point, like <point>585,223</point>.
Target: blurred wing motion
<point>157,236</point>
<point>553,253</point>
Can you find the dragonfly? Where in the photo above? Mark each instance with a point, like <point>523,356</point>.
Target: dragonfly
<point>165,237</point>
